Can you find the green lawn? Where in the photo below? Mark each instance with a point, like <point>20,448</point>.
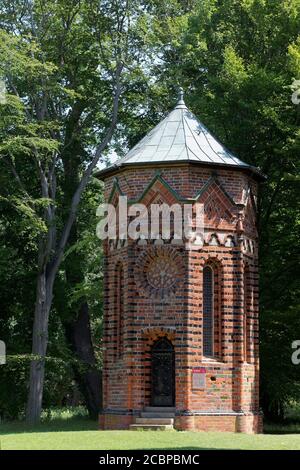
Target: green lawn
<point>80,433</point>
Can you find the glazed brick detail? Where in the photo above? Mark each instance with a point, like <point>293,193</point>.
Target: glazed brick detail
<point>229,399</point>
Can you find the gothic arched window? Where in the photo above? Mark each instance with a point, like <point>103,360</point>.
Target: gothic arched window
<point>119,310</point>
<point>211,311</point>
<point>208,312</point>
<point>247,317</point>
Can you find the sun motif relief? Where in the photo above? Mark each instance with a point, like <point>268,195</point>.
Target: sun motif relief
<point>158,272</point>
<point>162,273</point>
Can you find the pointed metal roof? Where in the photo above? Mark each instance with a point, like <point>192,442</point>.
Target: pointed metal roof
<point>180,137</point>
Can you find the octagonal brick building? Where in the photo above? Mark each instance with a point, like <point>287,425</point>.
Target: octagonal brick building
<point>180,345</point>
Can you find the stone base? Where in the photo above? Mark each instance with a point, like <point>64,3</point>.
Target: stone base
<point>115,421</point>
<point>248,423</point>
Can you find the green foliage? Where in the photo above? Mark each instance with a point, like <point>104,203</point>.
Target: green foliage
<point>236,59</point>
<point>14,377</point>
<point>279,376</point>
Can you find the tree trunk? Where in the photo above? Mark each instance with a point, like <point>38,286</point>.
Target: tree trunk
<point>39,348</point>
<point>54,252</point>
<point>78,333</point>
<point>76,318</point>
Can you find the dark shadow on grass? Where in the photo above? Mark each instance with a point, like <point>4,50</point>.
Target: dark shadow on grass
<point>182,448</point>
<point>283,432</point>
<point>54,425</point>
<point>288,426</point>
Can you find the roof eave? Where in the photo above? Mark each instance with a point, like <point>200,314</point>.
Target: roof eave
<point>105,172</point>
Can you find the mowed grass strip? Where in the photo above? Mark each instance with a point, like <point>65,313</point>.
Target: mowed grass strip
<point>69,429</point>
<point>108,440</point>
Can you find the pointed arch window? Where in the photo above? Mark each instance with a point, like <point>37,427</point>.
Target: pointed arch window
<point>211,316</point>
<point>247,314</point>
<point>208,311</point>
<point>119,313</point>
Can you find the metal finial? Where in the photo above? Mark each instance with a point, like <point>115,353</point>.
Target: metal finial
<point>180,94</point>
<point>180,101</point>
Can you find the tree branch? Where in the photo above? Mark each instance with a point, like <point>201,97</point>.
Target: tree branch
<point>13,169</point>
<point>85,178</point>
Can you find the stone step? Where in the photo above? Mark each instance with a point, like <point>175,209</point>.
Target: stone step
<point>152,414</point>
<point>151,427</point>
<point>154,420</point>
<point>167,409</point>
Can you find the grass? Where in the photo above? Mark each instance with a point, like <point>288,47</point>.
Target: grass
<point>66,430</point>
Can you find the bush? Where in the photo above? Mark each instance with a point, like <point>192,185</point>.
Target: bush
<point>59,385</point>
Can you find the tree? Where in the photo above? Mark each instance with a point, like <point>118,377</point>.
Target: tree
<point>50,96</point>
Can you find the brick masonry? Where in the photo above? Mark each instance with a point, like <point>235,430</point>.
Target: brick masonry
<point>228,400</point>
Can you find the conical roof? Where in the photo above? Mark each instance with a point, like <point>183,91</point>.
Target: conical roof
<point>180,137</point>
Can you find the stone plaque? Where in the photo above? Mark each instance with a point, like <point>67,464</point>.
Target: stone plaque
<point>198,378</point>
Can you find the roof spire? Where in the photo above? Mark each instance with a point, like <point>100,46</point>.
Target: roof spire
<point>180,102</point>
<point>180,94</point>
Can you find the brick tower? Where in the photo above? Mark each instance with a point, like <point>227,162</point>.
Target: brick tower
<point>181,314</point>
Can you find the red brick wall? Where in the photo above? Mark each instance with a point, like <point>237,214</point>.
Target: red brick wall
<point>231,382</point>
